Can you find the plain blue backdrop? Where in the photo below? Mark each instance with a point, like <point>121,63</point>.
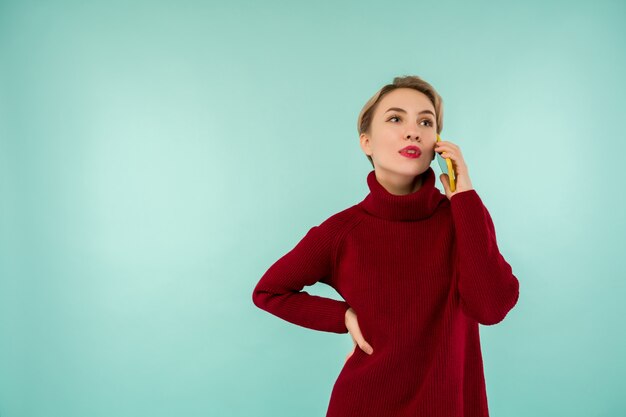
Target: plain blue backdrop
<point>157,157</point>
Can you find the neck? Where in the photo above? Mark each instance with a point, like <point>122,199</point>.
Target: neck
<point>403,206</point>
<point>399,185</point>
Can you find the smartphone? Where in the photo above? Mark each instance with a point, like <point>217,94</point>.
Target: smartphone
<point>446,167</point>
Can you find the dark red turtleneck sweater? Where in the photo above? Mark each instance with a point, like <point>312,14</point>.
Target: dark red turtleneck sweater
<point>421,272</point>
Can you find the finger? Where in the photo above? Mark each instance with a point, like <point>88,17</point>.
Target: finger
<point>366,347</point>
<point>360,340</point>
<point>457,162</point>
<point>446,144</point>
<point>444,181</point>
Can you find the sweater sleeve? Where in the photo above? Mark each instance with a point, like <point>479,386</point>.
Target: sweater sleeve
<point>487,288</point>
<point>279,291</point>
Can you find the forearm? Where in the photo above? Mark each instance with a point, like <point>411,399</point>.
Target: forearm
<point>487,288</point>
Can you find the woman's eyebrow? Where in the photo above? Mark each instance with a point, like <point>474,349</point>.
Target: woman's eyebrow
<point>404,111</point>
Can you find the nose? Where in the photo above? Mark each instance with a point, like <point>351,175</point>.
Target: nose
<point>412,135</point>
<point>412,132</point>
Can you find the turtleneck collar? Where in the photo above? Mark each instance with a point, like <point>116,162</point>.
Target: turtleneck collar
<point>409,207</point>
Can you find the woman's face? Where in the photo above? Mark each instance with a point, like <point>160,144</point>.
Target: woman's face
<point>412,122</point>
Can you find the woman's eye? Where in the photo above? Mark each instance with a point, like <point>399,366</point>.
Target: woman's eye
<point>428,121</point>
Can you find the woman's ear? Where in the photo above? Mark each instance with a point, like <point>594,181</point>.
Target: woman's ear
<point>364,141</point>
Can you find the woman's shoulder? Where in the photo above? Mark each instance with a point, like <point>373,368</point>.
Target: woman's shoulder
<point>342,221</point>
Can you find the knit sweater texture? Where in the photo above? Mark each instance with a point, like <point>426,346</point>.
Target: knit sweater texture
<point>421,272</point>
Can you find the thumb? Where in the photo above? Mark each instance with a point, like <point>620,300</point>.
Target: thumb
<point>444,181</point>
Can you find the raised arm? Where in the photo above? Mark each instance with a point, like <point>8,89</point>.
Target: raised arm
<point>279,291</point>
<point>488,290</point>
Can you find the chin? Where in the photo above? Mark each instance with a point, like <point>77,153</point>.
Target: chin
<point>405,171</point>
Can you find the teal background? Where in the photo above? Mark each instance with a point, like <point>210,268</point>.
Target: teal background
<point>157,157</point>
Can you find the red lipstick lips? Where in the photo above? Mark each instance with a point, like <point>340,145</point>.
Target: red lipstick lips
<point>411,152</point>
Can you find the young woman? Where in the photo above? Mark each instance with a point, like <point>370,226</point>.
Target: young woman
<point>418,270</point>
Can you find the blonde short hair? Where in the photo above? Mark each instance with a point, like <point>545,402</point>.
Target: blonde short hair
<point>410,81</point>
